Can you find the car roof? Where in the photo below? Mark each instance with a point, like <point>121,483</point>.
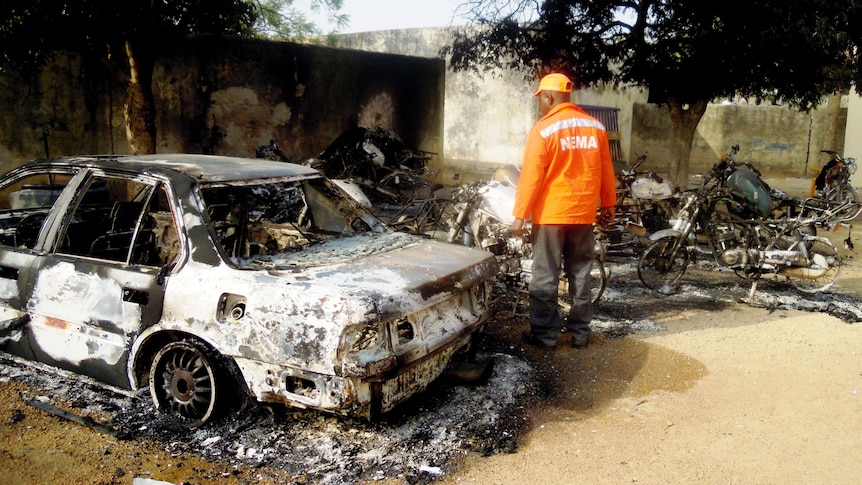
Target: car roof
<point>206,168</point>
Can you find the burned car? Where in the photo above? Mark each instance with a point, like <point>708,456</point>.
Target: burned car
<point>207,278</point>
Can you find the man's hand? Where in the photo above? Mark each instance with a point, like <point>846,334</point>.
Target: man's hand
<point>517,227</point>
<point>607,216</point>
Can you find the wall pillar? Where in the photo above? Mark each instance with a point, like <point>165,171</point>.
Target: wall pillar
<point>853,133</point>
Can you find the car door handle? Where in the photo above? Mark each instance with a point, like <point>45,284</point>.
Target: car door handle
<point>8,273</point>
<point>132,295</point>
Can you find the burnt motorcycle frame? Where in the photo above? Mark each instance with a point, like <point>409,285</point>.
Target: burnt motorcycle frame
<point>475,224</point>
<point>751,247</point>
<point>636,215</point>
<point>832,186</point>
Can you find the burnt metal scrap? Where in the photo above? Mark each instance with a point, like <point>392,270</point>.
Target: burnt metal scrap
<point>85,420</point>
<point>421,216</point>
<point>379,161</point>
<point>271,151</point>
<point>212,280</point>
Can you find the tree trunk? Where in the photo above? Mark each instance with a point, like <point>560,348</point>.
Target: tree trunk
<point>684,119</point>
<point>140,107</point>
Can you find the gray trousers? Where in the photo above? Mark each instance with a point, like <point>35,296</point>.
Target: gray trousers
<point>569,246</point>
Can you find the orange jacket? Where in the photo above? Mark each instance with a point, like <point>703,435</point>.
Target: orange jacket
<point>567,169</point>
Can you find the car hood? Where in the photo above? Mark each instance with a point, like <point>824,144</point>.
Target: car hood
<point>363,278</point>
<point>383,264</point>
<point>330,251</point>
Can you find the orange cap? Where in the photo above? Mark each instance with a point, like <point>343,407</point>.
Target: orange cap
<point>555,82</point>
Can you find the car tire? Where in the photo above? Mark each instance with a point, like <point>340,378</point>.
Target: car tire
<point>188,383</point>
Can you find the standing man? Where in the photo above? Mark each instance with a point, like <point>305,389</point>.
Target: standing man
<point>567,172</point>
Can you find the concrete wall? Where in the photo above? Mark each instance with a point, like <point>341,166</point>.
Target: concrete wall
<point>779,141</point>
<point>72,108</point>
<point>853,133</point>
<point>229,97</point>
<point>488,116</point>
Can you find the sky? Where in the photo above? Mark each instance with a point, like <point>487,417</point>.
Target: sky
<point>368,15</point>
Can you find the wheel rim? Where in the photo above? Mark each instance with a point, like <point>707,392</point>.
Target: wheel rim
<point>825,251</point>
<point>599,277</point>
<point>656,270</point>
<point>183,382</point>
<point>840,195</point>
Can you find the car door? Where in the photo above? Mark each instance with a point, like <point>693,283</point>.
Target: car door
<point>30,198</point>
<point>103,281</point>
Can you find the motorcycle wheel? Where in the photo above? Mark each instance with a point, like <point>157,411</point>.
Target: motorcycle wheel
<point>842,194</point>
<point>600,276</point>
<point>822,254</point>
<point>663,263</point>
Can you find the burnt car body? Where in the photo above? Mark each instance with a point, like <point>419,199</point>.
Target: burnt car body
<point>199,276</point>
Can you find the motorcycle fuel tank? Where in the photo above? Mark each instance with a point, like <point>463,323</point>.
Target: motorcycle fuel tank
<point>748,188</point>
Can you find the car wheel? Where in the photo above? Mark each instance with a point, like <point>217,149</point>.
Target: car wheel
<point>186,382</point>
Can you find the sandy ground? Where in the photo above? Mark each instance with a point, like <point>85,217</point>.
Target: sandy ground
<point>737,396</point>
<point>720,394</point>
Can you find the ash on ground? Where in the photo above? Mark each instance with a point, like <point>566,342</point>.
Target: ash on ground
<point>627,304</point>
<point>417,442</point>
<point>422,439</point>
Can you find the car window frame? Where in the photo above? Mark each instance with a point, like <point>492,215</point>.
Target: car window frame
<point>43,238</point>
<point>156,184</point>
<point>372,223</point>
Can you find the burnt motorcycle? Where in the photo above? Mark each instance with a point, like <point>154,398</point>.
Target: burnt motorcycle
<point>745,183</point>
<point>833,181</point>
<point>829,208</point>
<point>645,204</point>
<point>734,214</point>
<point>482,219</point>
<point>832,184</point>
<point>377,161</point>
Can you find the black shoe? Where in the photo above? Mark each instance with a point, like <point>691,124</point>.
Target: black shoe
<point>528,337</point>
<point>580,343</point>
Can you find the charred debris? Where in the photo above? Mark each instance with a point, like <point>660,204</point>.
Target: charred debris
<point>385,175</point>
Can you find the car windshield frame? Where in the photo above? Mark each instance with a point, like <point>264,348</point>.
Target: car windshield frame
<point>245,220</point>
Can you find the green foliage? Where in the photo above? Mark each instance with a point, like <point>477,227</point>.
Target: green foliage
<point>32,29</point>
<point>690,50</point>
<point>282,20</point>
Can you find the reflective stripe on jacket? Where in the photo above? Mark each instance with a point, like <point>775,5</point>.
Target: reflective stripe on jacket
<point>567,169</point>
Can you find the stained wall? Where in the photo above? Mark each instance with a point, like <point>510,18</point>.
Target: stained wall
<point>227,97</point>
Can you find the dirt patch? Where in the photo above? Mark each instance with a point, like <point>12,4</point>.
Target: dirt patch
<point>744,396</point>
<point>37,447</point>
<point>704,385</point>
<point>712,387</point>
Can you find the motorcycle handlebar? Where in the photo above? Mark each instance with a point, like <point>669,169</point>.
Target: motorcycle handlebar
<point>637,164</point>
<point>727,167</point>
<point>752,168</point>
